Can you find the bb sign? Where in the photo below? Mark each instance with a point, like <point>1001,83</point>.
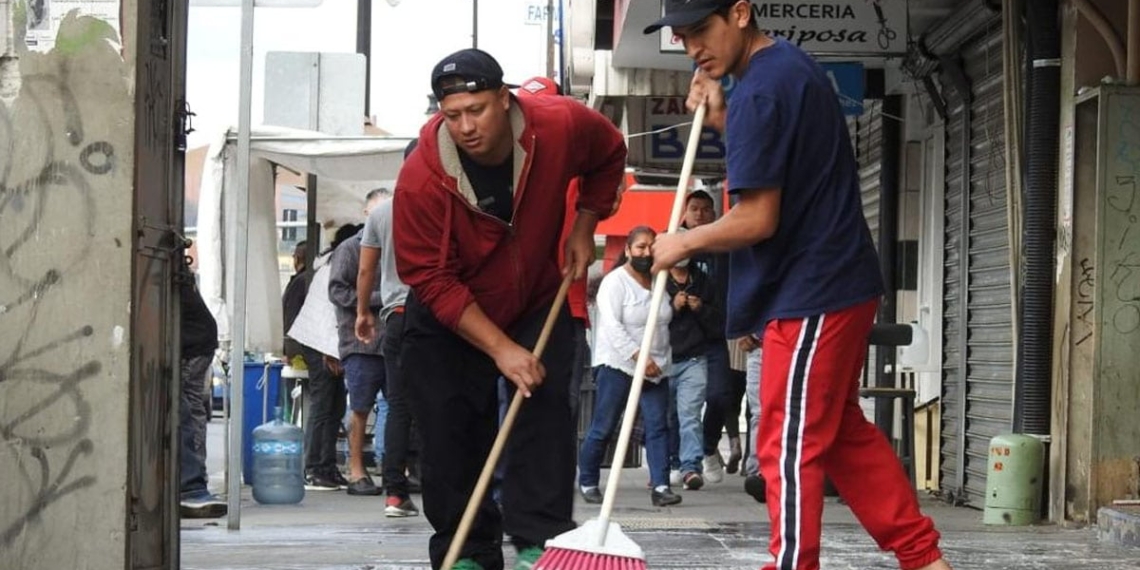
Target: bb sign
<point>665,148</point>
<point>830,27</point>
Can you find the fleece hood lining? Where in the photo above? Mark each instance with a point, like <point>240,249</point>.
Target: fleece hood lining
<point>449,156</point>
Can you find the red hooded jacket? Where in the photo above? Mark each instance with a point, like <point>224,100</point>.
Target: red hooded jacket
<point>452,254</point>
<point>576,296</point>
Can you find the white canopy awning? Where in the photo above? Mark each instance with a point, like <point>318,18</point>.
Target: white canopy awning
<point>346,167</point>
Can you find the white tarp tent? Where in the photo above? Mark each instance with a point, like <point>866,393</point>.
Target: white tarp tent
<point>346,167</point>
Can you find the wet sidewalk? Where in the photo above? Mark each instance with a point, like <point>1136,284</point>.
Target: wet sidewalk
<point>718,527</point>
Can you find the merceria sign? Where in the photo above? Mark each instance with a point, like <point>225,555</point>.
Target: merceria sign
<point>830,27</point>
<point>838,26</point>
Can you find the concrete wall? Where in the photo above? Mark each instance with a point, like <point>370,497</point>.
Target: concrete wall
<point>66,193</point>
<point>1096,341</point>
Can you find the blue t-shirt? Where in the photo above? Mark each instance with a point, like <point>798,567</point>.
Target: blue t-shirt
<point>785,130</point>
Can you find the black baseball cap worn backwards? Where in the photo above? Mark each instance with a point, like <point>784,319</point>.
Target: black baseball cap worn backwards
<point>475,70</point>
<point>687,12</point>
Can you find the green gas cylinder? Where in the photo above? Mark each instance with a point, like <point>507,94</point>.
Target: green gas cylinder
<point>1014,479</point>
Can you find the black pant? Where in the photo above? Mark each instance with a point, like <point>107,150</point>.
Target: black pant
<point>326,409</point>
<point>717,403</point>
<point>737,385</point>
<point>581,368</point>
<point>399,429</point>
<point>455,401</point>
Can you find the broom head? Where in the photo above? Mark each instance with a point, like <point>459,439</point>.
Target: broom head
<point>579,550</point>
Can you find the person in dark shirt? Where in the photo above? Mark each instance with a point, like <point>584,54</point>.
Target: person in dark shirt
<point>696,320</point>
<point>199,334</point>
<point>804,275</point>
<point>365,374</point>
<point>324,387</point>
<point>700,209</point>
<point>294,298</point>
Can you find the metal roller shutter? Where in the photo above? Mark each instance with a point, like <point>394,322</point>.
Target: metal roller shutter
<point>982,360</point>
<point>953,299</point>
<point>869,150</point>
<point>867,138</point>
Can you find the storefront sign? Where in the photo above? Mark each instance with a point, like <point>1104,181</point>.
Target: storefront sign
<point>665,147</point>
<point>830,27</point>
<point>537,10</point>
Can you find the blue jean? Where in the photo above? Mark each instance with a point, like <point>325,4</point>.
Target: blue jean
<point>381,410</point>
<point>718,396</point>
<point>365,377</point>
<point>192,420</point>
<point>609,403</point>
<point>751,464</point>
<point>688,380</point>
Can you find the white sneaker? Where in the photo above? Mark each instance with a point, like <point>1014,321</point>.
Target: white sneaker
<point>714,468</point>
<point>675,477</point>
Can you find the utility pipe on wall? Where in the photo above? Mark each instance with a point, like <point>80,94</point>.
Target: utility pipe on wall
<point>1133,75</point>
<point>1033,383</point>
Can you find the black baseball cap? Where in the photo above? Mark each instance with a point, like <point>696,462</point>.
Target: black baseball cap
<point>476,68</point>
<point>687,12</point>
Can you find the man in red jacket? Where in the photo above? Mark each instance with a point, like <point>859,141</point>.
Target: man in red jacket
<point>576,296</point>
<point>478,211</point>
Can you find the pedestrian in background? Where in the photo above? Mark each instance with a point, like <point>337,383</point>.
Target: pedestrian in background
<point>624,304</point>
<point>378,254</point>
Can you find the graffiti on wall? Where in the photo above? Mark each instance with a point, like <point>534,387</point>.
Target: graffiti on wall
<point>1122,274</point>
<point>48,163</point>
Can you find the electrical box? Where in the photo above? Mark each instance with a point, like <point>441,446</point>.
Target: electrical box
<point>321,92</point>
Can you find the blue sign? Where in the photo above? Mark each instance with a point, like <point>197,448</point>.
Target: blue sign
<point>666,147</point>
<point>847,79</point>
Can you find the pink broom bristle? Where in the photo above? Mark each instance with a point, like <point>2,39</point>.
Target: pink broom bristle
<point>564,559</point>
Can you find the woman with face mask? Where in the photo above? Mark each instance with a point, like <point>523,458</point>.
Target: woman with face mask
<point>623,303</point>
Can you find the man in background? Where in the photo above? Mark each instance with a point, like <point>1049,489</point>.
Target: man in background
<point>364,369</point>
<point>378,253</point>
<point>199,341</point>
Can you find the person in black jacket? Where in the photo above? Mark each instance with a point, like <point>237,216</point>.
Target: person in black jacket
<point>723,390</point>
<point>199,341</point>
<point>697,318</point>
<point>293,298</point>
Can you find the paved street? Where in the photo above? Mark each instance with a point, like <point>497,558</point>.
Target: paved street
<point>715,528</point>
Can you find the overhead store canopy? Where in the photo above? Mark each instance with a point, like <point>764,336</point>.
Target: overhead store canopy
<point>346,167</point>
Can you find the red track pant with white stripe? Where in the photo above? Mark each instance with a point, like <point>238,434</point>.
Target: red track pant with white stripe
<point>811,425</point>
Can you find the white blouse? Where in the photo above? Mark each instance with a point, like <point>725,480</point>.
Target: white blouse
<point>623,309</point>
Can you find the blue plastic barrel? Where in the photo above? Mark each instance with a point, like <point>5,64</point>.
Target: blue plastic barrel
<point>261,395</point>
<point>278,462</point>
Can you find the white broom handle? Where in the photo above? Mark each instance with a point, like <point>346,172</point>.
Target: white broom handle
<point>647,338</point>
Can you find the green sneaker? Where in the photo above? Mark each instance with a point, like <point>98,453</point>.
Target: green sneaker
<point>528,557</point>
<point>466,564</point>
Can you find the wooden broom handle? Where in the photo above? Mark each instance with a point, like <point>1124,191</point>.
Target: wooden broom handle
<point>484,481</point>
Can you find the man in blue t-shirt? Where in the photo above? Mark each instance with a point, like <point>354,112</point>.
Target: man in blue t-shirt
<point>803,275</point>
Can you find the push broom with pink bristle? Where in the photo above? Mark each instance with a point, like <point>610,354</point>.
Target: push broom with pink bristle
<point>599,544</point>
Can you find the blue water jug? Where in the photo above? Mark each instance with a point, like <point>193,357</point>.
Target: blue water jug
<point>278,462</point>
